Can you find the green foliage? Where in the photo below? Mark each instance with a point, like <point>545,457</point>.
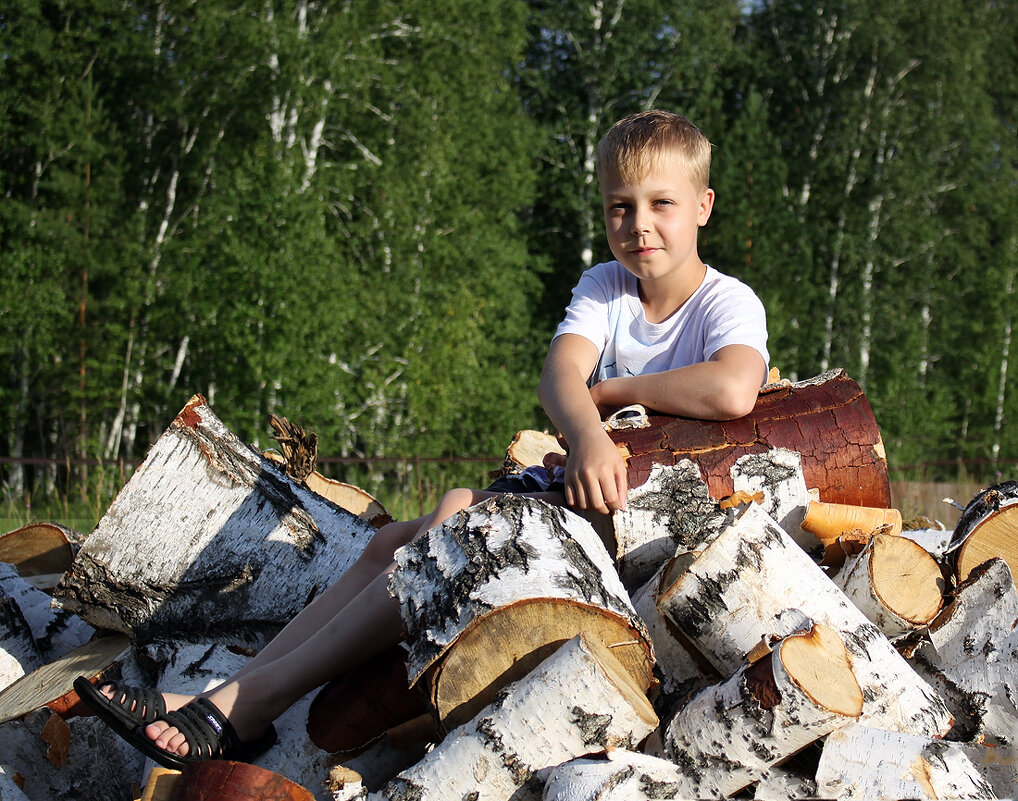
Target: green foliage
<point>368,216</point>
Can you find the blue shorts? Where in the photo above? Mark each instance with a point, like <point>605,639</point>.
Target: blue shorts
<point>532,479</point>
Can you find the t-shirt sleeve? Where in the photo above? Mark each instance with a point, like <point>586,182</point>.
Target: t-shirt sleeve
<point>736,317</point>
<point>588,312</point>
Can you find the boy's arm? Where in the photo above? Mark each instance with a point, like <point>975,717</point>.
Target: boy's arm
<point>595,471</point>
<point>723,388</point>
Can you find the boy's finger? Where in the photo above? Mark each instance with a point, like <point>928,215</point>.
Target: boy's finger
<point>622,487</point>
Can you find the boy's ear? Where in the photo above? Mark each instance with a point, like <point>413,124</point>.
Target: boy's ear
<point>706,206</point>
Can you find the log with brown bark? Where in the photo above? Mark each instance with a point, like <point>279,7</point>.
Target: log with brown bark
<point>827,420</point>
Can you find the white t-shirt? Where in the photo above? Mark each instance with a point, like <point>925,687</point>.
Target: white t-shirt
<point>606,309</point>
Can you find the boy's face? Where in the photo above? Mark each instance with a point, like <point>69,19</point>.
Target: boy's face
<point>652,224</point>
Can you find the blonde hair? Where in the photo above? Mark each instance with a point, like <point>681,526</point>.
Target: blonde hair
<point>636,144</point>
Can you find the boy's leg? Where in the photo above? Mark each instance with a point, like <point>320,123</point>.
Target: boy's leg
<point>325,639</point>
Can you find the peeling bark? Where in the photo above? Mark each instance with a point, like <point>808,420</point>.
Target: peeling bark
<point>826,419</point>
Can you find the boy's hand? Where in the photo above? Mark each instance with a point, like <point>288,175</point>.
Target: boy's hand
<point>596,474</point>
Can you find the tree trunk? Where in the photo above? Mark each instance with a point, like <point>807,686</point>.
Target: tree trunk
<point>727,736</point>
<point>490,592</point>
<point>206,537</point>
<point>55,631</point>
<point>826,419</point>
<point>863,763</point>
<point>753,582</point>
<point>671,511</point>
<point>579,700</point>
<point>617,776</point>
<point>679,666</point>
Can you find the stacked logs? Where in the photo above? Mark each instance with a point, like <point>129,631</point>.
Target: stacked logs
<point>756,624</point>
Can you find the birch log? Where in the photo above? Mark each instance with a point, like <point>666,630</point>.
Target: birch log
<point>728,735</point>
<point>580,700</point>
<point>54,630</point>
<point>618,775</point>
<point>671,511</point>
<point>988,528</point>
<point>826,419</point>
<point>18,652</point>
<point>208,536</point>
<point>972,653</point>
<point>753,583</point>
<point>41,552</point>
<point>777,474</point>
<point>226,780</point>
<point>859,762</point>
<point>679,667</point>
<point>488,593</point>
<point>895,583</point>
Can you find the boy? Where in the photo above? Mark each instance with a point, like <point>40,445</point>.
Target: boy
<point>660,327</point>
<point>656,327</point>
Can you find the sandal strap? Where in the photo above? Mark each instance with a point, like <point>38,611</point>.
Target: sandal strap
<point>144,703</point>
<point>208,732</point>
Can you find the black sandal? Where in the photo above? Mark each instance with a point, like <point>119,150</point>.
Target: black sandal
<point>209,735</point>
<point>129,708</point>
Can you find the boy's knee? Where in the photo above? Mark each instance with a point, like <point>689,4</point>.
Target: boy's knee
<point>386,541</point>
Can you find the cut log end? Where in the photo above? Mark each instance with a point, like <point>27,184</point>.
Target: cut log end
<point>507,644</point>
<point>817,661</point>
<point>906,578</point>
<point>994,537</point>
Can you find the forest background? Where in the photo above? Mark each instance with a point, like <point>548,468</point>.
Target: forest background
<point>367,216</point>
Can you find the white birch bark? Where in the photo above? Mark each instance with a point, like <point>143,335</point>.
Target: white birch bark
<point>859,762</point>
<point>672,511</point>
<point>729,734</point>
<point>505,552</point>
<point>753,582</point>
<point>9,791</point>
<point>971,650</point>
<point>676,665</point>
<point>19,654</point>
<point>54,630</point>
<point>778,475</point>
<point>1005,352</point>
<point>208,536</point>
<point>619,775</point>
<point>577,701</point>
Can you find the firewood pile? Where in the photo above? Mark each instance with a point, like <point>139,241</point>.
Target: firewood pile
<point>756,624</point>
